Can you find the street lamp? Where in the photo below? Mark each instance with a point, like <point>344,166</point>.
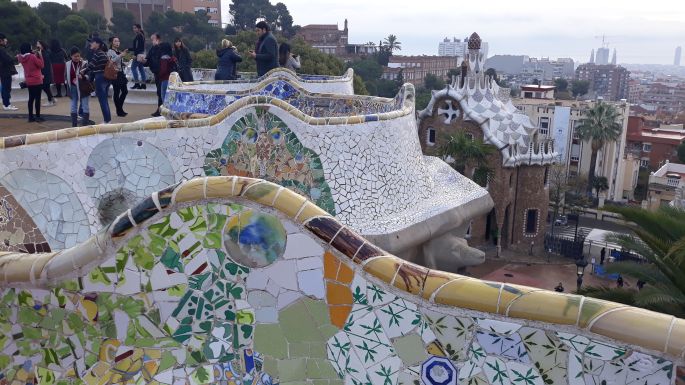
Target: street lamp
<point>580,271</point>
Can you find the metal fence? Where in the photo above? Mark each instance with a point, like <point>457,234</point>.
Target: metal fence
<point>562,245</point>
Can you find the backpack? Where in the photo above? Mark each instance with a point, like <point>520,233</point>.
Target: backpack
<point>111,72</point>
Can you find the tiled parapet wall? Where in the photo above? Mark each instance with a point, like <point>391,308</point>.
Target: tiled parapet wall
<point>182,101</point>
<point>235,280</point>
<point>367,170</point>
<point>342,85</point>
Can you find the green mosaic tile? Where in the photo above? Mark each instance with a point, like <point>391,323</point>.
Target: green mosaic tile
<point>410,349</point>
<point>292,369</point>
<point>270,341</point>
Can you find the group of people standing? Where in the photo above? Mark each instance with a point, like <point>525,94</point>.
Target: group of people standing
<point>267,55</point>
<point>92,71</point>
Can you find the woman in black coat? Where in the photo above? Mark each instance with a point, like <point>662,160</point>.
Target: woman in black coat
<point>183,60</point>
<point>227,66</point>
<point>47,72</point>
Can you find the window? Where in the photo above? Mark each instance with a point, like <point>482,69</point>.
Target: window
<point>646,147</point>
<point>468,231</point>
<point>431,136</point>
<point>532,221</point>
<point>644,163</point>
<point>546,176</point>
<point>544,125</point>
<point>511,179</point>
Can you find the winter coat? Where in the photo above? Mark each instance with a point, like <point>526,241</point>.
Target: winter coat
<point>184,62</point>
<point>226,68</point>
<point>267,54</point>
<point>6,63</point>
<point>154,56</point>
<point>47,66</point>
<point>32,68</point>
<point>138,44</point>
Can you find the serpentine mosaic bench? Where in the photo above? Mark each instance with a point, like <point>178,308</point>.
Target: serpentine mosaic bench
<point>183,101</point>
<point>231,280</point>
<point>58,188</point>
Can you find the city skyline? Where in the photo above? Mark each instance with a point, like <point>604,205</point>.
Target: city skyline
<point>533,28</point>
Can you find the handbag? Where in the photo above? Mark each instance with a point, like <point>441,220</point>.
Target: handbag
<point>85,87</point>
<point>111,72</point>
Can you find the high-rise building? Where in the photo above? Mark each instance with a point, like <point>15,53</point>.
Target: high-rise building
<point>142,9</point>
<point>678,54</point>
<point>613,57</point>
<point>607,81</point>
<point>592,56</point>
<point>602,56</point>
<point>459,48</point>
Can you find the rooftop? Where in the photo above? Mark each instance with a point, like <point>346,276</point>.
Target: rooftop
<point>671,168</point>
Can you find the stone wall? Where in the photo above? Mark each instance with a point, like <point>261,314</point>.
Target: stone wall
<point>235,280</point>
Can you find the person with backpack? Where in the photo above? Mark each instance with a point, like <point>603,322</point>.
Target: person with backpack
<point>119,89</point>
<point>7,70</point>
<point>96,71</point>
<point>227,65</point>
<point>73,74</point>
<point>137,66</point>
<point>58,57</point>
<point>32,62</point>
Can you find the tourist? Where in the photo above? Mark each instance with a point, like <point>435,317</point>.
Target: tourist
<point>88,51</point>
<point>602,254</point>
<point>7,69</point>
<point>559,288</point>
<point>286,59</point>
<point>266,49</point>
<point>96,70</point>
<point>137,66</point>
<point>167,65</point>
<point>32,61</point>
<point>183,60</point>
<point>619,281</point>
<point>579,282</point>
<point>227,67</point>
<point>152,60</point>
<point>58,57</point>
<point>47,72</point>
<point>73,74</point>
<point>119,89</point>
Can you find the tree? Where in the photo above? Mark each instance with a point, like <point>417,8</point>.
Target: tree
<point>20,23</point>
<point>681,152</point>
<point>598,126</point>
<point>73,31</point>
<point>492,73</point>
<point>197,33</point>
<point>392,44</point>
<point>579,87</point>
<point>432,82</point>
<point>558,185</point>
<point>246,12</point>
<point>561,84</point>
<point>359,86</point>
<point>452,74</point>
<point>204,59</point>
<point>662,243</point>
<point>51,13</point>
<point>284,21</point>
<point>367,69</point>
<point>468,152</point>
<point>96,22</point>
<point>600,184</point>
<point>121,25</point>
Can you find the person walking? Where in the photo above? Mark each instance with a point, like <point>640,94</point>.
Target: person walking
<point>33,64</point>
<point>7,70</point>
<point>119,85</point>
<point>73,74</point>
<point>266,49</point>
<point>183,60</point>
<point>137,66</point>
<point>167,65</point>
<point>619,281</point>
<point>153,60</point>
<point>96,71</point>
<point>286,58</point>
<point>602,255</point>
<point>47,72</point>
<point>58,57</point>
<point>227,66</point>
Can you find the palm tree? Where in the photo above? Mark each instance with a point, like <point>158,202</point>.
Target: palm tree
<point>599,126</point>
<point>466,151</point>
<point>662,242</point>
<point>392,44</point>
<point>600,184</point>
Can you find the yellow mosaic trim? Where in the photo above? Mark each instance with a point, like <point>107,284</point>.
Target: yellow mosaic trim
<point>77,132</point>
<point>650,330</point>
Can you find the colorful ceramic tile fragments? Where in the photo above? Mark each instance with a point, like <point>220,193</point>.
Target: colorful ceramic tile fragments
<point>222,281</point>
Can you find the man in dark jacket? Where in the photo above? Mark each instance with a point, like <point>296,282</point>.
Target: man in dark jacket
<point>153,59</point>
<point>266,49</point>
<point>7,69</point>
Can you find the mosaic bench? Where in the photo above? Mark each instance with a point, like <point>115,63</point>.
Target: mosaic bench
<point>231,280</point>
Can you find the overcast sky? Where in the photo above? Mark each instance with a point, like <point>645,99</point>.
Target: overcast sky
<point>641,32</point>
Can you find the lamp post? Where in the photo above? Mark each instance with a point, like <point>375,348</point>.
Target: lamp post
<point>580,271</point>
